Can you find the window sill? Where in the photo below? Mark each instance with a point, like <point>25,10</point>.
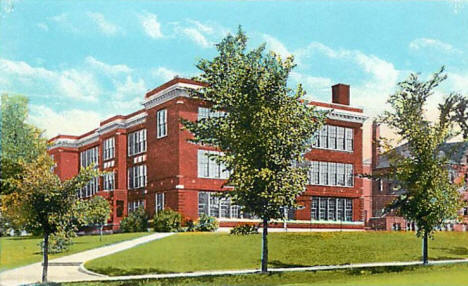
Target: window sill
<point>336,150</point>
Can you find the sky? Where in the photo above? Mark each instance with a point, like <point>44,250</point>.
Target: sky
<point>80,62</point>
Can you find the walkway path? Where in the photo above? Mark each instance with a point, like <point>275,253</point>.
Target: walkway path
<point>69,268</point>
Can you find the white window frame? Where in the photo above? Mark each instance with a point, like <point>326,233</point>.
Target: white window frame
<point>137,177</point>
<point>161,123</point>
<point>208,167</point>
<point>108,151</point>
<point>336,138</point>
<point>159,200</point>
<point>109,181</point>
<point>330,174</point>
<point>136,142</point>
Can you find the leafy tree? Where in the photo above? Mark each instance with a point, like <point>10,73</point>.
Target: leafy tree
<point>260,124</point>
<point>20,141</point>
<point>42,202</point>
<point>428,196</point>
<point>97,212</point>
<point>136,221</point>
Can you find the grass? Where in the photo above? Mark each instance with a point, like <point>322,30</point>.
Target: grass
<point>187,252</point>
<point>19,251</point>
<point>453,275</point>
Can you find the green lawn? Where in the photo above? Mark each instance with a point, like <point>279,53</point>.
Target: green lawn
<point>454,275</point>
<point>187,252</point>
<point>18,251</point>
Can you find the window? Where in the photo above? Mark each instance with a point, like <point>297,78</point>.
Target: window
<point>159,203</point>
<point>331,209</point>
<point>88,157</point>
<point>137,142</point>
<point>334,138</point>
<point>209,168</point>
<point>330,174</point>
<point>212,204</point>
<point>137,177</point>
<point>161,122</point>
<point>204,112</point>
<point>109,179</point>
<point>133,206</point>
<point>109,148</point>
<point>120,208</point>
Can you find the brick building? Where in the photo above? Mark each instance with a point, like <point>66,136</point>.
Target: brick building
<point>383,192</point>
<point>152,164</point>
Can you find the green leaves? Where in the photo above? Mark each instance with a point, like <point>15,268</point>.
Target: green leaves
<point>265,127</point>
<point>419,167</point>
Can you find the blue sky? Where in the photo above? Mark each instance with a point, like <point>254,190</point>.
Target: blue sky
<point>80,62</point>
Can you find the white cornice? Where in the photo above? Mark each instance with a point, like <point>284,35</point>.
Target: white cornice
<point>343,115</point>
<point>176,90</point>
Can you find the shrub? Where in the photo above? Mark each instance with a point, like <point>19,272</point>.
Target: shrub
<point>167,221</point>
<point>206,223</point>
<point>244,229</point>
<point>58,243</point>
<point>136,221</point>
<point>190,225</point>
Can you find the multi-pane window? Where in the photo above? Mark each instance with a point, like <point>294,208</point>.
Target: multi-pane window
<point>109,148</point>
<point>161,123</point>
<point>137,142</point>
<point>133,206</point>
<point>109,181</point>
<point>212,204</point>
<point>330,174</point>
<point>334,138</point>
<point>204,112</point>
<point>209,168</point>
<point>137,177</point>
<point>331,209</point>
<point>87,158</point>
<point>159,202</point>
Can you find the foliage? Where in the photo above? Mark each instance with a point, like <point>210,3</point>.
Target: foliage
<point>262,127</point>
<point>244,229</point>
<point>206,223</point>
<point>167,220</point>
<point>58,242</point>
<point>41,202</point>
<point>97,212</point>
<point>136,221</point>
<point>428,197</point>
<point>190,225</point>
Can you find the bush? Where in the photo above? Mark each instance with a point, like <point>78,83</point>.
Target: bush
<point>206,223</point>
<point>58,243</point>
<point>167,221</point>
<point>136,221</point>
<point>190,225</point>
<point>244,229</point>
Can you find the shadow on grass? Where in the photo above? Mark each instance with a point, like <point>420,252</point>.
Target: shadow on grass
<point>280,264</point>
<point>454,250</point>
<point>114,271</point>
<point>379,270</point>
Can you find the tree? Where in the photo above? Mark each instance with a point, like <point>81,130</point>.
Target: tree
<point>97,212</point>
<point>42,202</point>
<point>262,127</point>
<point>428,196</point>
<point>20,141</point>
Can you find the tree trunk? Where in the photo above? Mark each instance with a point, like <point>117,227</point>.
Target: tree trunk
<point>425,249</point>
<point>265,246</point>
<point>100,232</point>
<point>45,260</point>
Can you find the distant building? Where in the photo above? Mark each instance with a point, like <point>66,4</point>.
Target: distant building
<point>151,163</point>
<point>383,192</point>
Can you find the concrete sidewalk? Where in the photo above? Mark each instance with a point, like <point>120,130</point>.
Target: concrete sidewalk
<point>69,268</point>
<point>292,269</point>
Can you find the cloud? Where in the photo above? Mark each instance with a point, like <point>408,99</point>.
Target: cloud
<point>164,73</point>
<point>107,68</point>
<point>24,78</point>
<point>151,26</point>
<point>427,43</point>
<point>130,88</point>
<point>203,34</point>
<point>43,26</point>
<point>196,36</point>
<point>72,122</point>
<point>315,85</point>
<point>61,18</point>
<point>276,46</point>
<point>105,26</point>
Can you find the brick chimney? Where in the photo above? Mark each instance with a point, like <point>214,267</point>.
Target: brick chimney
<point>340,94</point>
